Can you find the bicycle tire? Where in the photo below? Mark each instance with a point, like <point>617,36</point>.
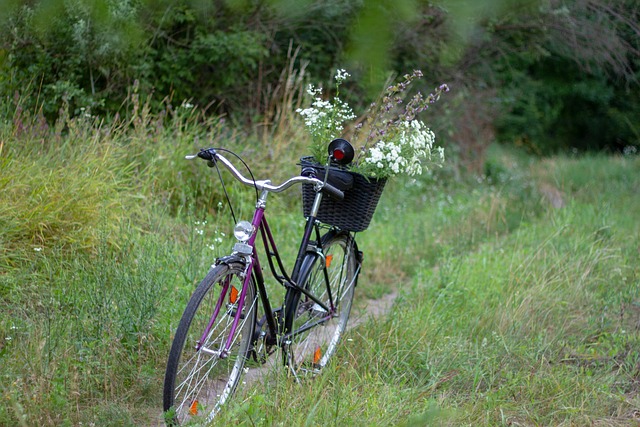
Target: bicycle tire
<point>198,382</point>
<point>306,353</point>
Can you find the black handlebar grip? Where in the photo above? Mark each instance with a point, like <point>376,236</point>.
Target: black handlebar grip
<point>333,191</point>
<point>207,154</point>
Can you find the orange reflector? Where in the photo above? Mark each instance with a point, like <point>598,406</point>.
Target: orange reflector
<point>317,355</point>
<point>193,409</point>
<point>234,295</point>
<point>328,260</point>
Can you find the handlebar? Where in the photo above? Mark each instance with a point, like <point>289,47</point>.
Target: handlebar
<point>212,156</point>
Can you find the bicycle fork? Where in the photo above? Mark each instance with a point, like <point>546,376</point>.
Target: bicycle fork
<point>236,300</point>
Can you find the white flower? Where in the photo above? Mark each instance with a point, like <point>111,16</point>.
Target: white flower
<point>341,75</point>
<point>324,119</point>
<point>311,90</point>
<point>404,153</point>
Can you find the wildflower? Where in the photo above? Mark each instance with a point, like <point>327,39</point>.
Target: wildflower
<point>341,75</point>
<point>396,142</point>
<point>325,119</point>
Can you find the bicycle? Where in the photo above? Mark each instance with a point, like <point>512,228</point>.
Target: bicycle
<point>220,330</point>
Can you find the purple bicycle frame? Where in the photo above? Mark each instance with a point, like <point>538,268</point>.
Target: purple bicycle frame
<point>256,222</point>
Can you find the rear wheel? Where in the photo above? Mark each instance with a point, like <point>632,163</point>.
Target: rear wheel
<point>200,376</point>
<point>315,331</point>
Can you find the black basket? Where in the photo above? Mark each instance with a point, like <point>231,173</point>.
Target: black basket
<point>354,212</point>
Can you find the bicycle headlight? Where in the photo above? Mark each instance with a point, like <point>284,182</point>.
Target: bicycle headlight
<point>243,231</point>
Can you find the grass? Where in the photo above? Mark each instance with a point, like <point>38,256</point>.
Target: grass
<point>537,325</point>
<point>509,311</point>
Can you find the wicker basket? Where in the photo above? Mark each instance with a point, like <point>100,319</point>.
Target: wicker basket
<point>354,212</point>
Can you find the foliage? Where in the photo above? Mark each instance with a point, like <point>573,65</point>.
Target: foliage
<point>224,57</point>
<point>563,110</point>
<point>566,75</point>
<point>232,58</point>
<point>76,53</point>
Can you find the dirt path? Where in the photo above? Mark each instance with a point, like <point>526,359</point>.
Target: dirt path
<point>372,309</point>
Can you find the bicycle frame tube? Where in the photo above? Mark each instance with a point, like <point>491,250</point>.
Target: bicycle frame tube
<point>307,234</point>
<point>271,250</point>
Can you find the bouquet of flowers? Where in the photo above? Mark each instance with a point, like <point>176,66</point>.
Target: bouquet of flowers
<point>396,142</point>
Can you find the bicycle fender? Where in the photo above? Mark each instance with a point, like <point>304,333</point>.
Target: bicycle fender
<point>359,260</point>
<point>359,255</point>
<point>231,259</point>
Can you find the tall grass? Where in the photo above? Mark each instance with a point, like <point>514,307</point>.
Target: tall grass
<point>105,231</point>
<point>98,242</point>
<point>509,311</point>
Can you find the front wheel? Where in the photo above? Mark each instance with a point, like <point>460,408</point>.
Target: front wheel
<point>200,374</point>
<point>314,328</point>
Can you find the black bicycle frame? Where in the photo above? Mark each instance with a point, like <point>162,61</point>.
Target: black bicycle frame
<point>279,272</point>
